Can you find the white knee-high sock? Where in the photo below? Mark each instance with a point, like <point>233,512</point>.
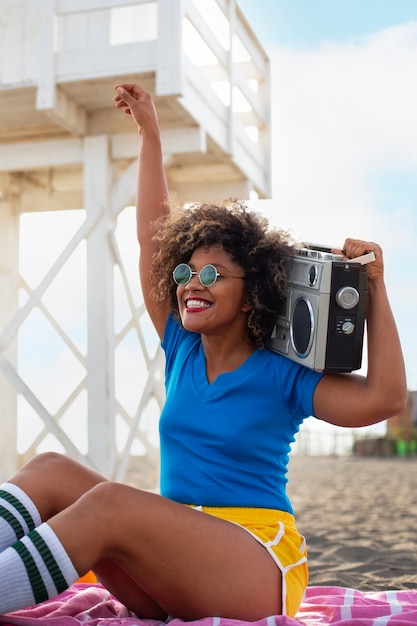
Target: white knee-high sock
<point>18,514</point>
<point>34,569</point>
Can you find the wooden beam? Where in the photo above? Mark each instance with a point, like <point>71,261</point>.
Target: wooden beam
<point>174,141</point>
<point>38,154</point>
<point>34,155</point>
<point>63,111</point>
<point>56,200</point>
<point>104,61</point>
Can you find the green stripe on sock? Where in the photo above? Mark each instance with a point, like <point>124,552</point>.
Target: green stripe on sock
<point>38,587</point>
<point>50,562</point>
<point>12,521</point>
<point>11,499</point>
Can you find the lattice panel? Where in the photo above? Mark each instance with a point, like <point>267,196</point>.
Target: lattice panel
<point>50,377</point>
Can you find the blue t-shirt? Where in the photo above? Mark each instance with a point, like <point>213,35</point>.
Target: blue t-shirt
<point>227,443</point>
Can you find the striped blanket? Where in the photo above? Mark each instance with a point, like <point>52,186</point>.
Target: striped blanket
<point>92,605</point>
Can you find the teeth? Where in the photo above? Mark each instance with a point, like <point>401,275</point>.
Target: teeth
<point>197,304</point>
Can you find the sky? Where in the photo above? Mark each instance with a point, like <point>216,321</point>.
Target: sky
<point>344,131</point>
<point>308,23</point>
<point>344,158</point>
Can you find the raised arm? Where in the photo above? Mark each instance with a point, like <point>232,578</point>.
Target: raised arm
<point>351,400</point>
<point>152,192</point>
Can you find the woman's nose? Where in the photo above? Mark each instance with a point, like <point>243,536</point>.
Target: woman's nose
<point>194,283</point>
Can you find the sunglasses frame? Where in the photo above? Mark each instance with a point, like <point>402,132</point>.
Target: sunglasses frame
<point>193,273</point>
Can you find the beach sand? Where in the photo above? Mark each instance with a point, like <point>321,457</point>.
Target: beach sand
<point>359,516</point>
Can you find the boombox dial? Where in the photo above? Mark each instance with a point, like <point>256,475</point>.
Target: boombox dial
<point>347,297</point>
<point>348,327</point>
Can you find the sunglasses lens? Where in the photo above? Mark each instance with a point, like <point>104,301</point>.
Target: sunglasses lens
<point>208,275</point>
<point>182,274</point>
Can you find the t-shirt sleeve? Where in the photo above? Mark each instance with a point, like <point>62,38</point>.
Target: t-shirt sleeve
<point>298,386</point>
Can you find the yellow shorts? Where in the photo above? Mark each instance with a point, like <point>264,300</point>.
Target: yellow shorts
<point>276,531</point>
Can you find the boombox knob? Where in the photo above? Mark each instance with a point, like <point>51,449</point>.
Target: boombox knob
<point>348,328</point>
<point>347,297</point>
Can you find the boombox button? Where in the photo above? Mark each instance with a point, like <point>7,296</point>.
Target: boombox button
<point>347,297</point>
<point>348,328</point>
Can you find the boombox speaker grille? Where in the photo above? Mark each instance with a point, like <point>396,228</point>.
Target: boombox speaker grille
<point>302,327</point>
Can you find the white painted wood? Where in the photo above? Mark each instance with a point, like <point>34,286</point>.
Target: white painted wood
<point>265,131</point>
<point>98,29</point>
<point>29,18</point>
<point>100,322</point>
<point>38,200</point>
<point>72,32</point>
<point>169,69</point>
<point>192,191</point>
<point>232,71</point>
<point>75,81</point>
<point>21,41</point>
<point>55,153</point>
<point>204,106</point>
<point>11,42</point>
<point>83,30</point>
<point>36,155</point>
<point>45,97</point>
<point>207,35</point>
<point>93,63</point>
<point>65,112</point>
<point>249,40</point>
<point>84,232</point>
<point>9,283</point>
<point>21,387</point>
<point>180,140</point>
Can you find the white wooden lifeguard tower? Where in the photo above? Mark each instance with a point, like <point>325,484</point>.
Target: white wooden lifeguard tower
<point>64,147</point>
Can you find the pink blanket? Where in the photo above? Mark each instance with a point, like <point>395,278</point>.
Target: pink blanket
<point>92,605</point>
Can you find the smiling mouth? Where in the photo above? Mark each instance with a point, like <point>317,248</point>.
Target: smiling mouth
<point>197,305</point>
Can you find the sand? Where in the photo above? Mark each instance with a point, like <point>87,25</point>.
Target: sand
<point>359,516</point>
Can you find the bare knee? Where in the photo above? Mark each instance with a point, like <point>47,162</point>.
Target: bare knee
<point>54,482</point>
<point>108,507</point>
<point>108,496</point>
<point>46,462</point>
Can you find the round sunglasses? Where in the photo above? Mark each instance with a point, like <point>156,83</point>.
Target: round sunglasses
<point>207,276</point>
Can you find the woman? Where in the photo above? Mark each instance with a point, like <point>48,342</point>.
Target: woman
<point>221,539</point>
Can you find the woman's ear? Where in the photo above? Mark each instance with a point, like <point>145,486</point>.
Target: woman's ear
<point>246,305</point>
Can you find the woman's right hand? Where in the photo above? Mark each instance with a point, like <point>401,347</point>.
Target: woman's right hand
<point>136,102</point>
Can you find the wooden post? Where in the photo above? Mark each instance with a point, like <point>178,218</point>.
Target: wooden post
<point>169,71</point>
<point>100,324</point>
<point>9,284</point>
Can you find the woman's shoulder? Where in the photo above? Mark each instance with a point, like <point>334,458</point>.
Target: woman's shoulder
<point>287,369</point>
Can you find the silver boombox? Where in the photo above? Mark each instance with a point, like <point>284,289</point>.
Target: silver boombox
<point>321,324</point>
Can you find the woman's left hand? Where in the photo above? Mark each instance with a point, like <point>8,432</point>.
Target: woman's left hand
<point>356,247</point>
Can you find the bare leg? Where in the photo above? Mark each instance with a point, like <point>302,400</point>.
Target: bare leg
<point>179,561</point>
<point>53,482</point>
<point>158,557</point>
<point>127,591</point>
